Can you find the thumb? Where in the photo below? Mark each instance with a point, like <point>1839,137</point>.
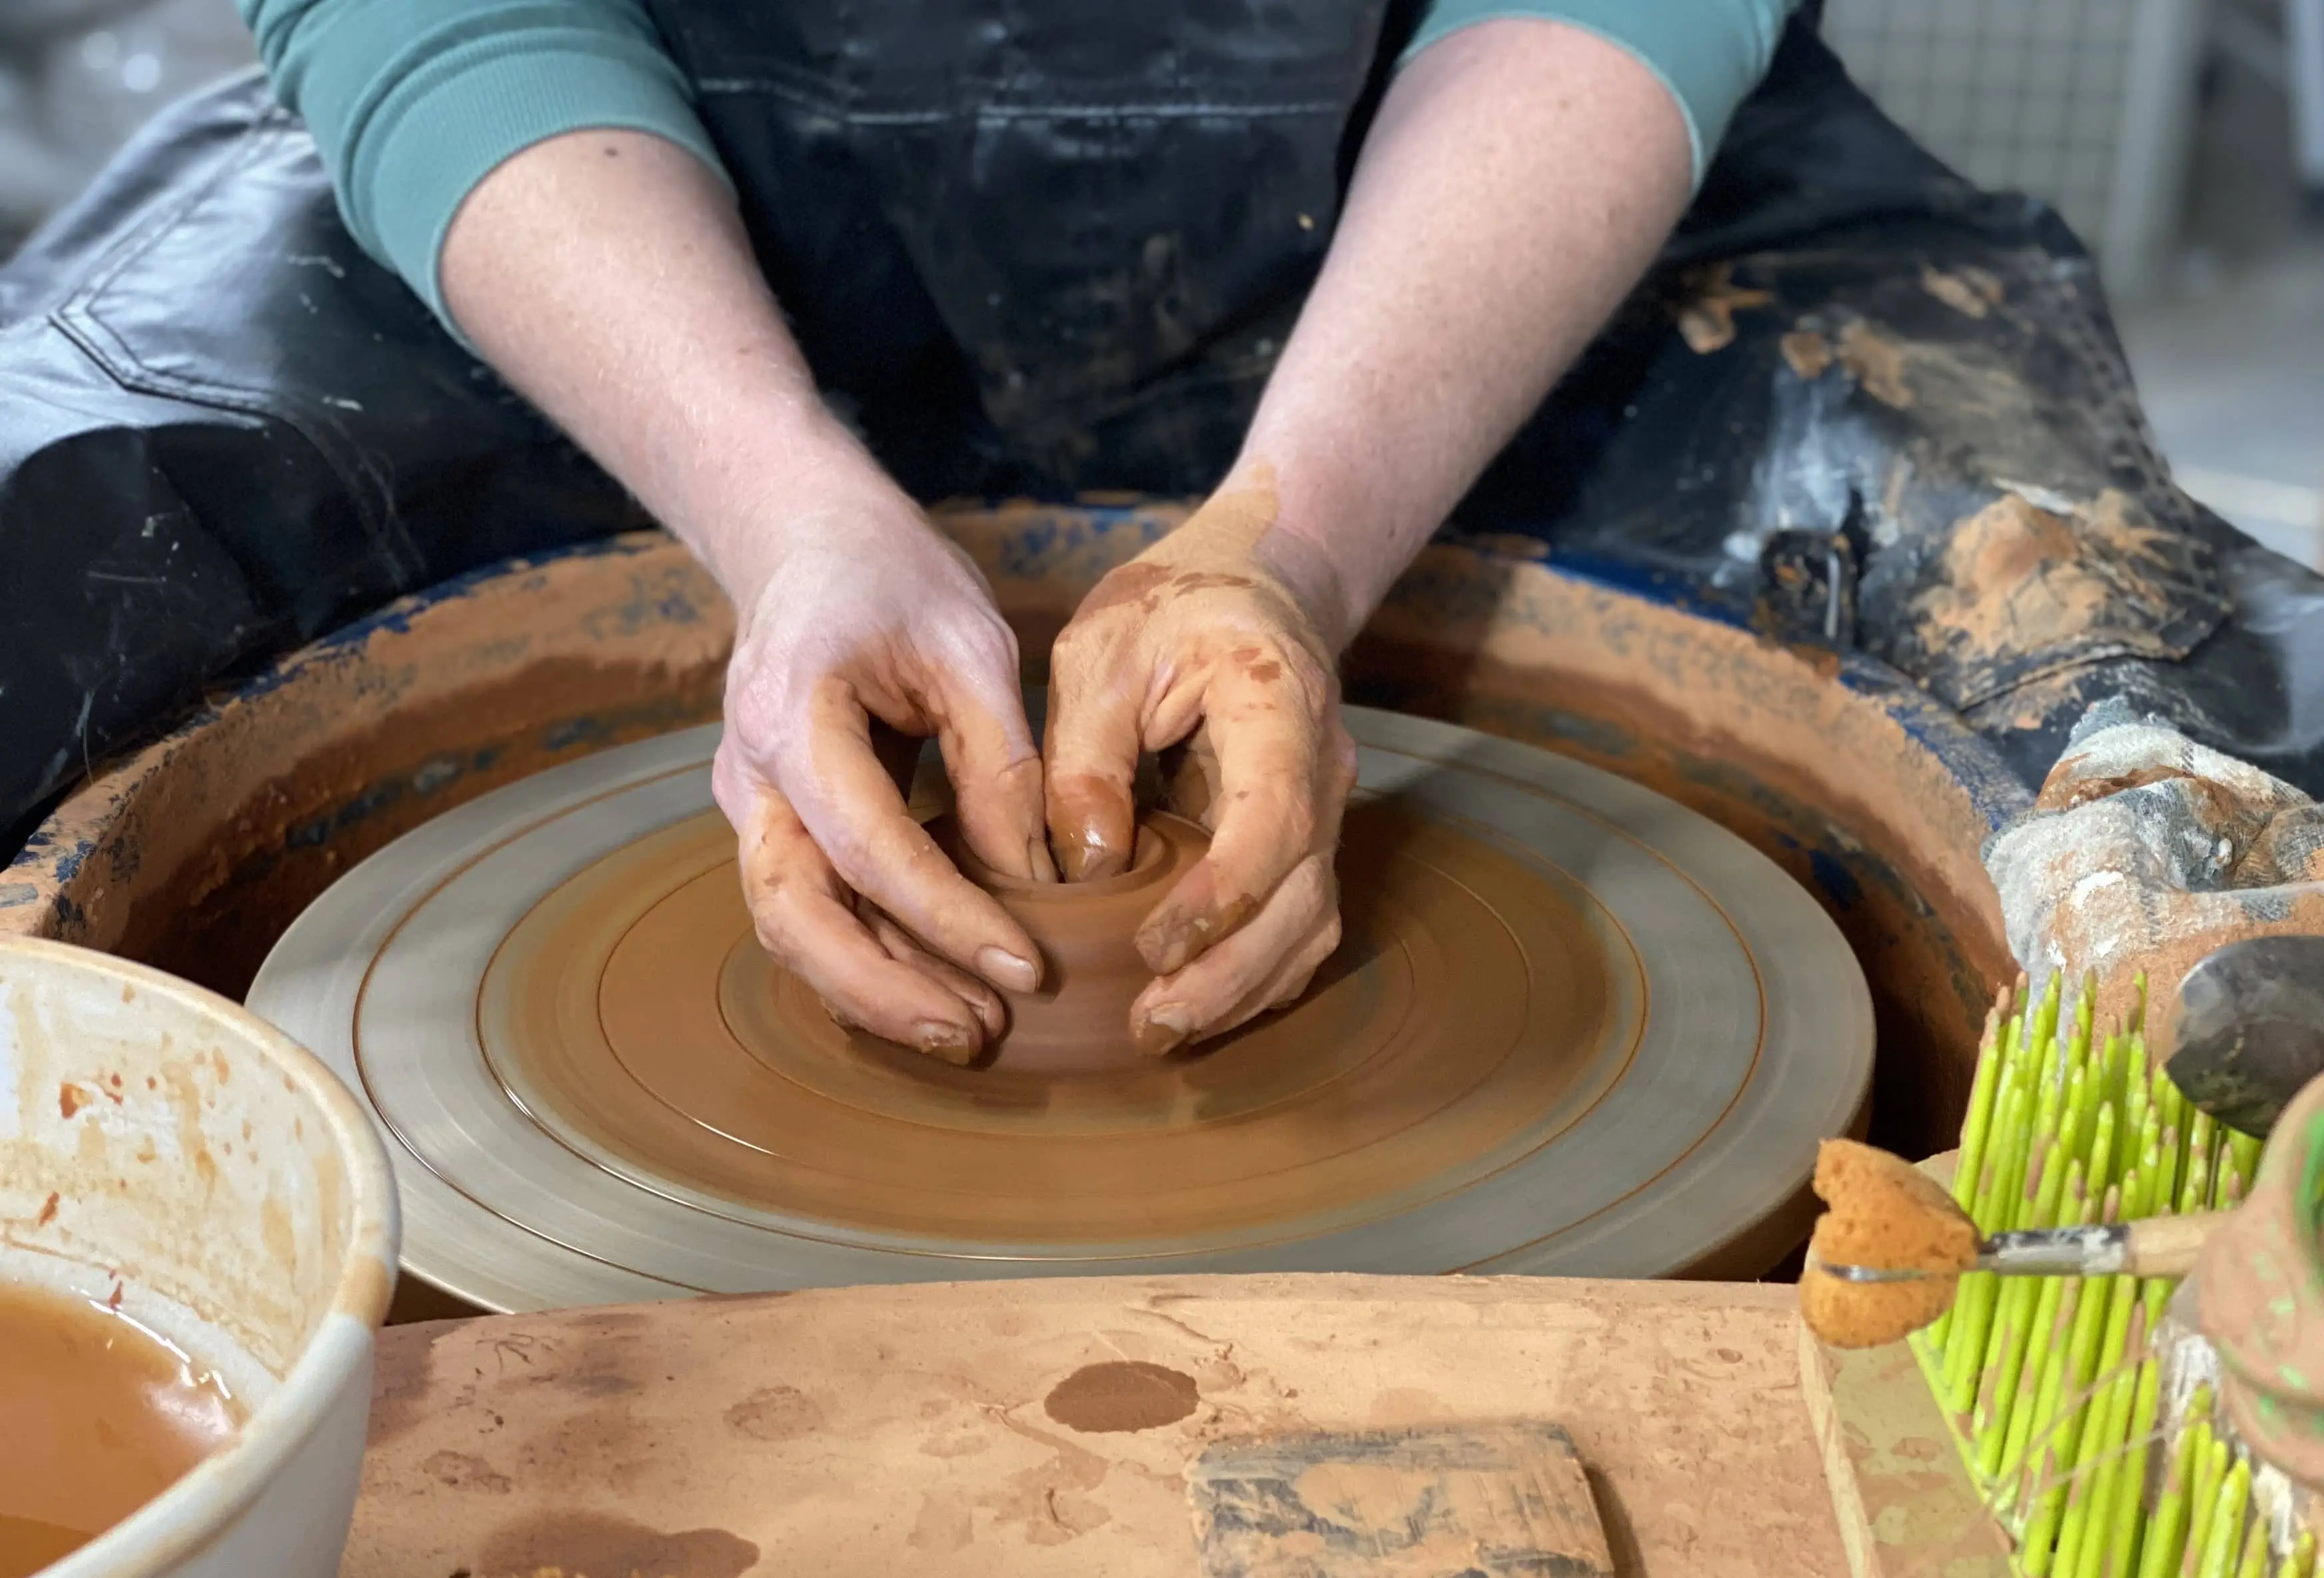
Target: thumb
<point>1092,755</point>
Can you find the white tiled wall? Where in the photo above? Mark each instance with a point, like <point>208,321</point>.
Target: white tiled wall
<point>2021,95</point>
<point>2081,102</point>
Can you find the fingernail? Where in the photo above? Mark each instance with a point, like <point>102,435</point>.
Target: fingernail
<point>1006,970</point>
<point>1164,1031</point>
<point>941,1038</point>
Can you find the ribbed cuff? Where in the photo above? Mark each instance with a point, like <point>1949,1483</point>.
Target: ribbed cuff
<point>1709,54</point>
<point>413,102</point>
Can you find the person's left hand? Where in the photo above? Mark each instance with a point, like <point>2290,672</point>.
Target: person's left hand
<point>1203,640</point>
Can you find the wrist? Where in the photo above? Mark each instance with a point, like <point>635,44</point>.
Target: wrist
<point>776,472</point>
<point>1328,544</point>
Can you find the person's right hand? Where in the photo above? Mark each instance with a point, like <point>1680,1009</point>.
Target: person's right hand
<point>867,612</point>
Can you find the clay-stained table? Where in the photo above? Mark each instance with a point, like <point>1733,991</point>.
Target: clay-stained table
<point>877,1431</point>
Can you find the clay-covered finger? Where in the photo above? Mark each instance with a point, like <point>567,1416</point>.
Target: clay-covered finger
<point>1091,752</point>
<point>1246,973</point>
<point>995,770</point>
<point>1269,733</point>
<point>1280,988</point>
<point>982,1000</point>
<point>803,919</point>
<point>849,805</point>
<point>1288,984</point>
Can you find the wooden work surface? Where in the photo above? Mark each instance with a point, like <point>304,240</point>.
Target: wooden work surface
<point>885,1430</point>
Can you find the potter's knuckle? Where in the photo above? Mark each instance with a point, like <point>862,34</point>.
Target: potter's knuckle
<point>778,902</point>
<point>769,723</point>
<point>1079,645</point>
<point>778,937</point>
<point>857,867</point>
<point>729,793</point>
<point>1309,675</point>
<point>751,714</point>
<point>1327,939</point>
<point>1310,885</point>
<point>888,867</point>
<point>1298,825</point>
<point>980,646</point>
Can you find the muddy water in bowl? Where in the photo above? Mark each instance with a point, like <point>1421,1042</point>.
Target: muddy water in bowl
<point>196,1240</point>
<point>97,1417</point>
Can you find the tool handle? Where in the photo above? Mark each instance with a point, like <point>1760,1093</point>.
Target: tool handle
<point>2152,1246</point>
<point>2166,1246</point>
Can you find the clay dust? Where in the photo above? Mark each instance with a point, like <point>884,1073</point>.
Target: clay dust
<point>1971,291</point>
<point>1706,316</point>
<point>1878,362</point>
<point>2020,578</point>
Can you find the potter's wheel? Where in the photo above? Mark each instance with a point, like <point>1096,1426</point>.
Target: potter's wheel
<point>1574,1029</point>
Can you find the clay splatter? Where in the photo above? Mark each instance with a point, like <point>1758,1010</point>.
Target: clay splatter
<point>1971,291</point>
<point>406,1368</point>
<point>1807,352</point>
<point>592,1542</point>
<point>462,1470</point>
<point>775,1413</point>
<point>1706,320</point>
<point>1118,1396</point>
<point>1878,363</point>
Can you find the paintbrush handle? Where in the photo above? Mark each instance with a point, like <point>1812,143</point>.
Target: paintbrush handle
<point>2152,1246</point>
<point>2166,1246</point>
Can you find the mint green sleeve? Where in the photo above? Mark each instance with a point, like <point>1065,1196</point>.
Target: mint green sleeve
<point>1709,53</point>
<point>414,101</point>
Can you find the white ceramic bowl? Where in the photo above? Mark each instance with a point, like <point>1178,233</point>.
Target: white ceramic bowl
<point>156,1136</point>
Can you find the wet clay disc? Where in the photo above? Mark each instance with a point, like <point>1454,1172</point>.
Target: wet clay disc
<point>1573,1028</point>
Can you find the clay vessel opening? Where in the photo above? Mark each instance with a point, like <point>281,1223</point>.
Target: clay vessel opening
<point>1078,1023</point>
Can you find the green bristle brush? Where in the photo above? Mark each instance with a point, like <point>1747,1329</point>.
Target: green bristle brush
<point>2083,1406</point>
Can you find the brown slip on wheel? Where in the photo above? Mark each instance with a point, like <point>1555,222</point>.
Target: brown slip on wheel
<point>1573,1028</point>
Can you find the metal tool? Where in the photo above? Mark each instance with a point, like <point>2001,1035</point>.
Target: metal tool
<point>2155,1247</point>
<point>2245,1034</point>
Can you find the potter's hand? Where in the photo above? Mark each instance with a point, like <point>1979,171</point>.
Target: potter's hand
<point>607,275</point>
<point>1207,638</point>
<point>867,612</point>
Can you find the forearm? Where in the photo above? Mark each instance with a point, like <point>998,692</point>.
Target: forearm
<point>606,275</point>
<point>1519,180</point>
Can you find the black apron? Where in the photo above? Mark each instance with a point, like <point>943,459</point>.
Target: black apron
<point>1047,246</point>
<point>1052,252</point>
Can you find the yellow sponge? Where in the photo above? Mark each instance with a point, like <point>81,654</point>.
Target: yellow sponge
<point>1885,1214</point>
